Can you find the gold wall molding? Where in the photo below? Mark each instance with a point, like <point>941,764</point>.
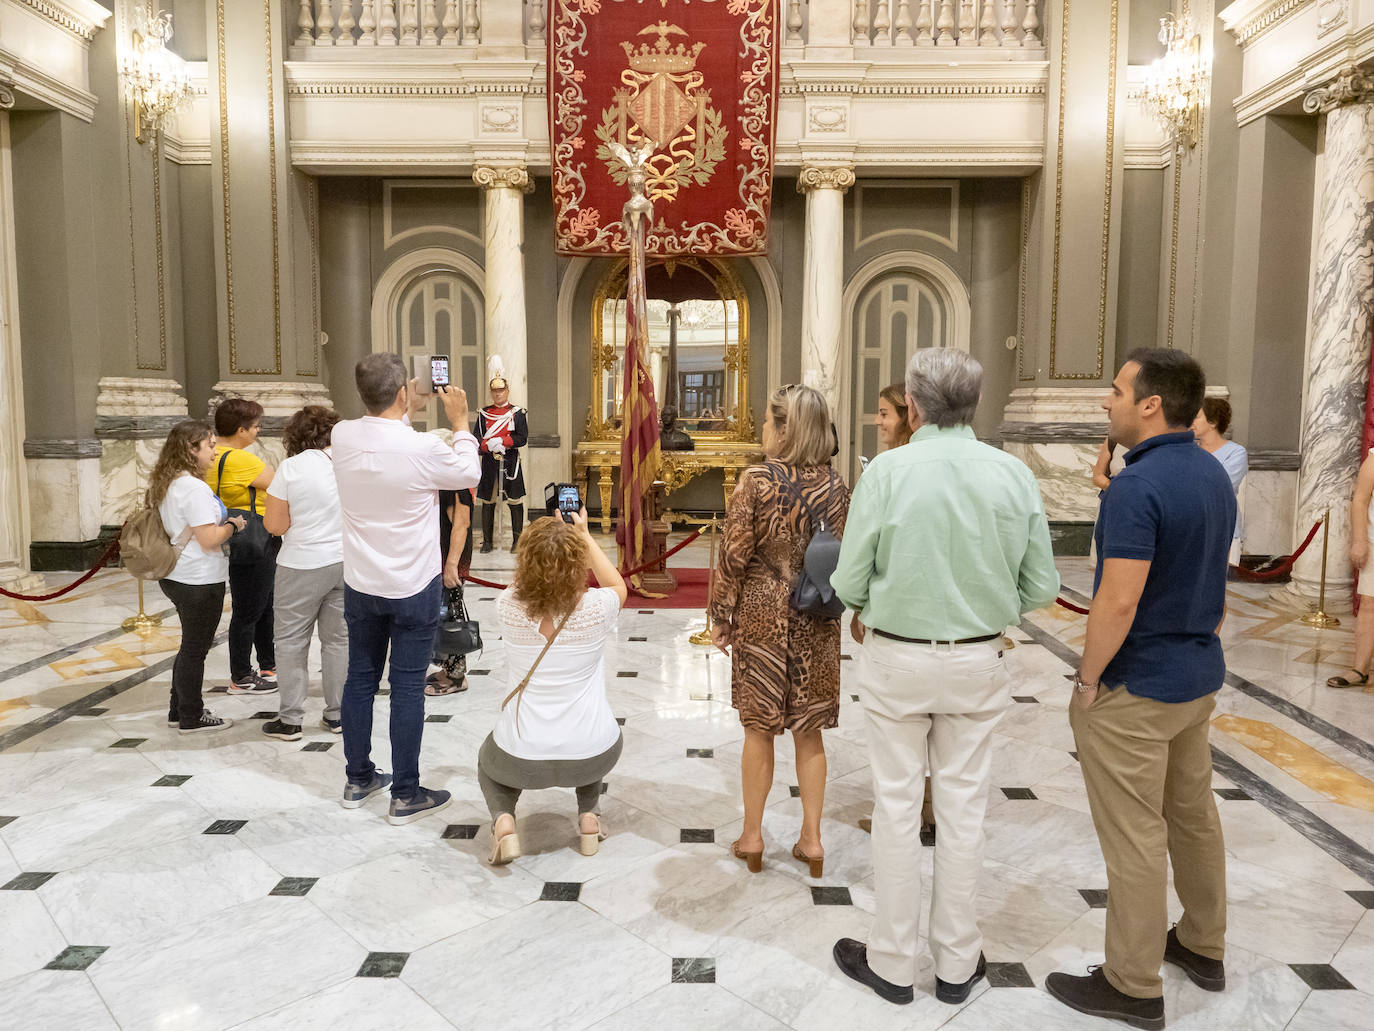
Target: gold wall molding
<point>128,102</point>
<point>313,216</point>
<point>1107,187</point>
<point>1173,248</point>
<point>1026,197</point>
<point>223,68</point>
<point>161,264</point>
<point>272,176</point>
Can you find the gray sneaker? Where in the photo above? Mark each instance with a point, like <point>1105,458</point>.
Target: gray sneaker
<point>424,802</point>
<point>356,794</point>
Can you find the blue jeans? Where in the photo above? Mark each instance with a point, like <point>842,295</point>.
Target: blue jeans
<point>406,626</point>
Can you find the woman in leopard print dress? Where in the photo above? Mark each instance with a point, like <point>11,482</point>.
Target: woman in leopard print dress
<point>785,665</point>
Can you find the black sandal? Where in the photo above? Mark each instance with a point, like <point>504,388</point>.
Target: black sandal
<point>1343,682</point>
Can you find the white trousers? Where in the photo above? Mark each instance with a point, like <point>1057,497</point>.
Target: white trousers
<point>929,707</point>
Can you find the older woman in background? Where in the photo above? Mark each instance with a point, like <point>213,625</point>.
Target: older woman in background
<point>1210,426</point>
<point>303,508</point>
<point>556,728</point>
<point>785,665</point>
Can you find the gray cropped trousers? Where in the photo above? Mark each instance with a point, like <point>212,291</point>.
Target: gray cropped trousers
<point>503,776</point>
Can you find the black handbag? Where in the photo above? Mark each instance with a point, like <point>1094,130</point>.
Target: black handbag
<point>811,591</point>
<point>253,543</point>
<point>458,633</point>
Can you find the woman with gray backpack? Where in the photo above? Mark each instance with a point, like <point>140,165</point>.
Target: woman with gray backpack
<point>198,526</point>
<point>775,614</point>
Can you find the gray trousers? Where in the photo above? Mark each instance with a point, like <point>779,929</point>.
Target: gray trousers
<point>306,598</point>
<point>503,776</point>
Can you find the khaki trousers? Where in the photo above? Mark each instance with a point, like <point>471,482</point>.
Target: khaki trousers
<point>1147,766</point>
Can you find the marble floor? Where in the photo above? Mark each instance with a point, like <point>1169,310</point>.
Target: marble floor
<point>149,880</point>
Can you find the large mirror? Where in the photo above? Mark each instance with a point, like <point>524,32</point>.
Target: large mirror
<point>698,350</point>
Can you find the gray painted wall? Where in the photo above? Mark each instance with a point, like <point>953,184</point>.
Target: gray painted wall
<point>1142,233</point>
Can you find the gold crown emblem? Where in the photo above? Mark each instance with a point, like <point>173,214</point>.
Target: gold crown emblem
<point>650,60</point>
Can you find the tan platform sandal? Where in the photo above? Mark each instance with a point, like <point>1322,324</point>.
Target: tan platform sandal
<point>589,844</point>
<point>817,864</point>
<point>505,848</point>
<point>754,860</point>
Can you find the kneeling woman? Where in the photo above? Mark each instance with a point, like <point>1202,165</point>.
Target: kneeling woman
<point>556,728</point>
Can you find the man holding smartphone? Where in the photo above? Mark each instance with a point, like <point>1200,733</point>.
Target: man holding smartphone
<point>389,477</point>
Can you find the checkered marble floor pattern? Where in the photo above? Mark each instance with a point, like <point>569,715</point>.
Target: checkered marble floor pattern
<point>150,880</point>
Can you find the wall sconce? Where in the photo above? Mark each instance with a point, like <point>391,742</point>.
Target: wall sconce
<point>1176,83</point>
<point>156,77</point>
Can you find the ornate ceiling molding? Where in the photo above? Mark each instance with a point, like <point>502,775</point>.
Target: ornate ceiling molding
<point>934,88</point>
<point>79,17</point>
<point>1249,21</point>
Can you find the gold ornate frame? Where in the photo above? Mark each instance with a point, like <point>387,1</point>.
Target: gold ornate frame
<point>740,428</point>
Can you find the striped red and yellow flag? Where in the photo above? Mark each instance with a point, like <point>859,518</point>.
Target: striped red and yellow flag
<point>639,445</point>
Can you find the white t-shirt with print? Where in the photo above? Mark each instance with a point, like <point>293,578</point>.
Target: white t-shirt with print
<point>564,713</point>
<point>306,483</point>
<point>190,502</point>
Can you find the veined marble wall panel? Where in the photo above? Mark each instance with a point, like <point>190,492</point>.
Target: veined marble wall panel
<point>1057,431</point>
<point>124,469</point>
<point>1269,498</point>
<point>1065,474</point>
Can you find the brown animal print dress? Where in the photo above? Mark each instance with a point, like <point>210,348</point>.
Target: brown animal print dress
<point>785,665</point>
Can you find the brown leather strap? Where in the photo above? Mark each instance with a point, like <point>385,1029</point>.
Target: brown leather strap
<point>520,688</point>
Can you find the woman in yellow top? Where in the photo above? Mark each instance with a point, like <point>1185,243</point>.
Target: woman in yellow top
<point>230,475</point>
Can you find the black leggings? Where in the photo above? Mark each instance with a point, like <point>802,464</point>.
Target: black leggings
<point>250,622</point>
<point>199,607</point>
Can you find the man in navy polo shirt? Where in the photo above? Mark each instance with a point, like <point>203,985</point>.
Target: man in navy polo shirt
<point>1145,691</point>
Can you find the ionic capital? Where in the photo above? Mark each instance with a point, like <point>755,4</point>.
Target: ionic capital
<point>1351,85</point>
<point>515,177</point>
<point>825,177</point>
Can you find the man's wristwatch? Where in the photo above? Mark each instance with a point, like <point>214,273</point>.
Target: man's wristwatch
<point>1079,686</point>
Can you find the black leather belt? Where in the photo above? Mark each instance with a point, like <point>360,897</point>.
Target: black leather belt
<point>922,640</point>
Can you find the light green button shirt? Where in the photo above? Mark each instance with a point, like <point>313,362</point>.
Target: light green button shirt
<point>946,539</point>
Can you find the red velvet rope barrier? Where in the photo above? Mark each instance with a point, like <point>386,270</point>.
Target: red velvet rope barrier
<point>1241,572</point>
<point>469,578</point>
<point>100,562</point>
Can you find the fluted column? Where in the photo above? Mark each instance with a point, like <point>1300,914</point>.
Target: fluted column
<point>14,514</point>
<point>824,186</point>
<point>504,290</point>
<point>1342,316</point>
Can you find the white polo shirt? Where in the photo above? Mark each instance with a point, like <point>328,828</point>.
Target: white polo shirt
<point>388,477</point>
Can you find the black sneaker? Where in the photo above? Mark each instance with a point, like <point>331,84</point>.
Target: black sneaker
<point>251,684</point>
<point>356,794</point>
<point>852,957</point>
<point>954,994</point>
<point>267,676</point>
<point>282,731</point>
<point>173,721</point>
<point>333,726</point>
<point>421,804</point>
<point>1207,974</point>
<point>205,721</point>
<point>1098,997</point>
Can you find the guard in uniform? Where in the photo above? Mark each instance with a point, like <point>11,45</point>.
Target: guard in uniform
<point>501,432</point>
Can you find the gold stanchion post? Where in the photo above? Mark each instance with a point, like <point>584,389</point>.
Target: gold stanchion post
<point>1319,618</point>
<point>704,636</point>
<point>141,621</point>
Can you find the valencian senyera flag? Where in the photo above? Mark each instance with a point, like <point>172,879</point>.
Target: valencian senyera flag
<point>639,445</point>
<point>698,79</point>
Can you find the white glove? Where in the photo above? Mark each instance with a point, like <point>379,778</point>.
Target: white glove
<point>496,448</point>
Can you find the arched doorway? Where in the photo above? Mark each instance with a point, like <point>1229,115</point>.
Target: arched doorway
<point>910,301</point>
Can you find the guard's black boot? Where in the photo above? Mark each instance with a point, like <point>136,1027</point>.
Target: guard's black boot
<point>517,523</point>
<point>488,526</point>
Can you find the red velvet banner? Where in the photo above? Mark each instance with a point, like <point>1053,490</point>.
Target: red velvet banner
<point>698,78</point>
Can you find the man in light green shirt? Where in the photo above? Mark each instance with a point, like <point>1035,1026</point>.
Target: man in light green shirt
<point>945,545</point>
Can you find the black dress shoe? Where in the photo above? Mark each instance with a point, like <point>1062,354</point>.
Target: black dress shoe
<point>1208,974</point>
<point>957,993</point>
<point>852,957</point>
<point>1098,997</point>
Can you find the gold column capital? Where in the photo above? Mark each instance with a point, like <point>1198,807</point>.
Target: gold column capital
<point>514,177</point>
<point>825,177</point>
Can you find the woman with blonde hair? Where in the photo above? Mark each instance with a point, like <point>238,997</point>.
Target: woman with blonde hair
<point>784,665</point>
<point>556,728</point>
<point>894,429</point>
<point>199,525</point>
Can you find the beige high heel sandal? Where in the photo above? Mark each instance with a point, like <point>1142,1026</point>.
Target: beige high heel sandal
<point>505,848</point>
<point>589,844</point>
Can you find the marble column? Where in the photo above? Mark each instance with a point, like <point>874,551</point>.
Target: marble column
<point>14,506</point>
<point>1342,316</point>
<point>822,362</point>
<point>504,289</point>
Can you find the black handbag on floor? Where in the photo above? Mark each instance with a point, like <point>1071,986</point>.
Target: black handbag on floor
<point>458,633</point>
<point>253,543</point>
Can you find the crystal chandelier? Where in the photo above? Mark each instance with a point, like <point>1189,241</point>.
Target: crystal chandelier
<point>1176,83</point>
<point>156,77</point>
